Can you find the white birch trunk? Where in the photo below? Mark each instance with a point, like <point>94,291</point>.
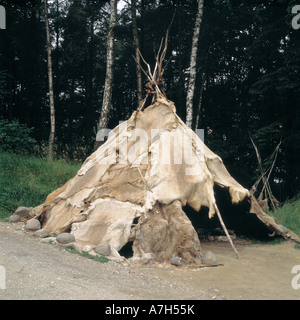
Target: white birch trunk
<point>192,81</point>
<point>137,48</point>
<point>199,106</point>
<point>50,80</point>
<point>106,103</point>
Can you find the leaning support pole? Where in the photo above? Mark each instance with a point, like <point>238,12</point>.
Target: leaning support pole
<point>226,232</point>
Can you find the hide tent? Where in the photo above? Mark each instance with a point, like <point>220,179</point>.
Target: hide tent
<point>135,186</point>
<point>146,184</point>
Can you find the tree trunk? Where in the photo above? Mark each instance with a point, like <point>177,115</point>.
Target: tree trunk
<point>51,95</point>
<point>106,103</point>
<point>137,48</point>
<point>180,91</point>
<point>57,60</point>
<point>199,105</point>
<point>191,87</point>
<point>89,96</point>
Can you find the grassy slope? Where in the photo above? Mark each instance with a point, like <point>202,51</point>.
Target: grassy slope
<point>26,181</point>
<point>289,215</point>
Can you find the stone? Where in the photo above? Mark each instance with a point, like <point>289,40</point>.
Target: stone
<point>103,249</point>
<point>33,224</point>
<point>14,218</point>
<point>65,238</point>
<point>42,233</point>
<point>176,261</point>
<point>210,259</point>
<point>23,212</point>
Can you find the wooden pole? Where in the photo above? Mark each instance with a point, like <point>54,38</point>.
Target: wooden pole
<point>225,230</point>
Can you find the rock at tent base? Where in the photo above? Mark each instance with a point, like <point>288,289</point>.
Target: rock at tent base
<point>210,259</point>
<point>33,224</point>
<point>65,238</point>
<point>14,218</point>
<point>23,212</point>
<point>42,233</point>
<point>103,249</point>
<point>176,261</point>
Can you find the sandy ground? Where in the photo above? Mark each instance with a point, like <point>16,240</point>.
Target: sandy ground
<point>36,270</point>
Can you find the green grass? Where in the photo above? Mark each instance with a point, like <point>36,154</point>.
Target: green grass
<point>72,249</point>
<point>26,181</point>
<point>289,215</point>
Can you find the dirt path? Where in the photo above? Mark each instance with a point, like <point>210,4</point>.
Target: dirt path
<point>36,270</point>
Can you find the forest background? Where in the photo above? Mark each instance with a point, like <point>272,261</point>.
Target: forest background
<point>247,83</point>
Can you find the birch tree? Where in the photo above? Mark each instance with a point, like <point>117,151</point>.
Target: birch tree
<point>199,105</point>
<point>106,103</point>
<point>137,48</point>
<point>193,59</point>
<point>50,81</point>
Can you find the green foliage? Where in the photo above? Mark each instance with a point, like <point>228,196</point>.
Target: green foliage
<point>3,91</point>
<point>16,137</point>
<point>27,181</point>
<point>289,215</point>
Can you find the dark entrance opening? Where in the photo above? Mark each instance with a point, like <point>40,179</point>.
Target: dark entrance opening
<point>126,251</point>
<point>236,217</point>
